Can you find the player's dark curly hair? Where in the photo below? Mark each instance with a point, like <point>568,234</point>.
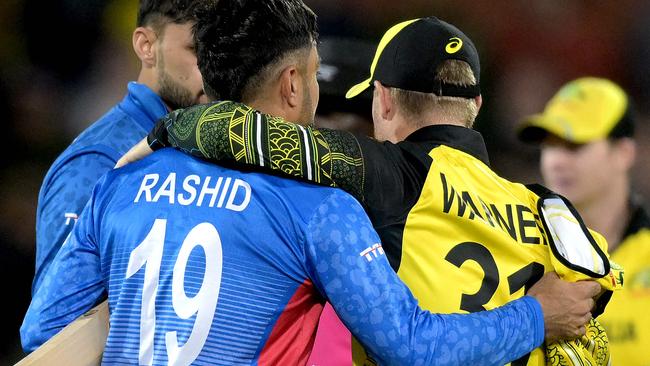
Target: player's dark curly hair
<point>156,13</point>
<point>238,41</point>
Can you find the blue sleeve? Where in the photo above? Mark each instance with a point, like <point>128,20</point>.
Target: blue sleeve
<point>347,264</point>
<point>72,285</point>
<point>63,195</point>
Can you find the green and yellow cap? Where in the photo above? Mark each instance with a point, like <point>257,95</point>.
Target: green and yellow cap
<point>582,111</point>
<point>409,54</point>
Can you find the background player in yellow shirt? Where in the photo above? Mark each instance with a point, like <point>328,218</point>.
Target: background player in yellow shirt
<point>587,154</point>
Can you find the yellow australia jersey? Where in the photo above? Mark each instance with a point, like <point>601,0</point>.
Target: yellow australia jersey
<point>473,241</point>
<point>627,320</point>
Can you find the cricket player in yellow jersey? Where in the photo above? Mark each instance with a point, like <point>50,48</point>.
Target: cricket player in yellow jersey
<point>587,142</point>
<point>461,237</point>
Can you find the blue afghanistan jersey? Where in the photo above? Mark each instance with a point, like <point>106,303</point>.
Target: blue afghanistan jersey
<point>211,266</point>
<point>69,181</point>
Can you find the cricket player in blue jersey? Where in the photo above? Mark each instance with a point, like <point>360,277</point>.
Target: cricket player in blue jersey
<point>210,265</point>
<point>169,79</point>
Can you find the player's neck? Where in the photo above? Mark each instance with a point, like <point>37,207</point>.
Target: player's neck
<point>148,77</point>
<point>404,127</point>
<point>609,214</point>
<point>274,107</point>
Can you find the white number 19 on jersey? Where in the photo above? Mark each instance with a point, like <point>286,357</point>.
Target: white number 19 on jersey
<point>149,253</point>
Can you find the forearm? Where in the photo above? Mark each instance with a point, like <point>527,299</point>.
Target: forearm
<point>493,337</point>
<point>57,303</point>
<point>411,336</point>
<point>233,132</point>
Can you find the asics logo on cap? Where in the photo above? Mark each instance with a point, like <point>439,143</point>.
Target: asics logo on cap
<point>454,45</point>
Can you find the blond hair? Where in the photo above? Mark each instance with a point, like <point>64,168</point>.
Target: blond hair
<point>415,105</point>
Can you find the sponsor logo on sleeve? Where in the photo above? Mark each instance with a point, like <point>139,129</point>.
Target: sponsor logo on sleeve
<point>70,217</point>
<point>375,250</point>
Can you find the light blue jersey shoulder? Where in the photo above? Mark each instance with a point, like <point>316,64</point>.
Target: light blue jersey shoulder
<point>69,181</point>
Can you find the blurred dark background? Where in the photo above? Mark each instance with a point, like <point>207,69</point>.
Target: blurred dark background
<point>63,63</point>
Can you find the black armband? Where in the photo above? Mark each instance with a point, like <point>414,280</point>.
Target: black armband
<point>157,138</point>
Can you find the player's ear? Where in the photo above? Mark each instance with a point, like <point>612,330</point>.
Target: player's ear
<point>386,103</point>
<point>479,102</point>
<point>144,45</point>
<point>290,86</point>
<point>626,152</point>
